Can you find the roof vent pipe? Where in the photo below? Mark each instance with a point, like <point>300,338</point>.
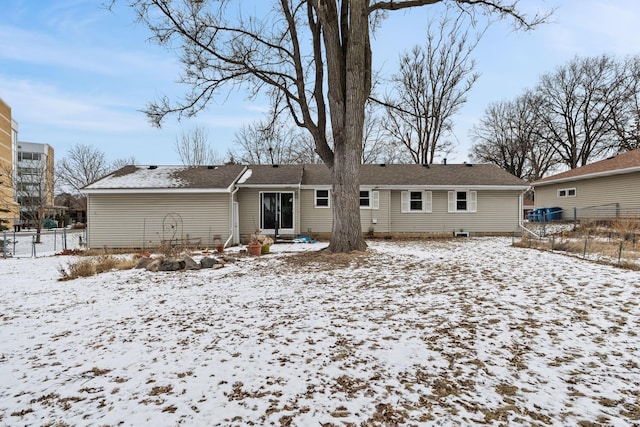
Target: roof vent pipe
<point>444,161</point>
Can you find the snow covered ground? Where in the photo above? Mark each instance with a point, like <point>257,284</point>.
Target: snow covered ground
<point>460,332</point>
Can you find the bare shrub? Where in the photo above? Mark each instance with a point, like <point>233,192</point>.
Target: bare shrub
<point>626,227</point>
<point>87,267</point>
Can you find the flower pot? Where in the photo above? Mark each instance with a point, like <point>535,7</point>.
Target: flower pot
<point>265,249</point>
<point>254,249</point>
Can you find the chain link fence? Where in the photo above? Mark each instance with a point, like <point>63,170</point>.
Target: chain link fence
<point>609,241</point>
<point>27,244</point>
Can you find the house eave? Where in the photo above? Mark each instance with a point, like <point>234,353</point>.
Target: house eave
<point>429,187</point>
<point>156,190</point>
<point>262,186</point>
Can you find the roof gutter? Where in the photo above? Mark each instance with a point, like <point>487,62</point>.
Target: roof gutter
<point>431,187</point>
<point>154,190</point>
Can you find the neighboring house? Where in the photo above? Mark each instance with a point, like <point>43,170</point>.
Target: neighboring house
<point>137,206</point>
<point>72,209</point>
<point>609,188</point>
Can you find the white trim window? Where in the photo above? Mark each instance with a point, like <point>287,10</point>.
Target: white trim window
<point>416,202</point>
<point>322,199</point>
<point>567,192</point>
<point>463,201</point>
<point>369,199</point>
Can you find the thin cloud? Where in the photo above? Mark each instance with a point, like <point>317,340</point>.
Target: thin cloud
<point>37,48</point>
<point>46,105</point>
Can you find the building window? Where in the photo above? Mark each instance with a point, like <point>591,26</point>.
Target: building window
<point>29,156</point>
<point>416,201</point>
<point>567,192</point>
<point>463,201</point>
<point>365,199</point>
<point>322,198</point>
<point>369,199</point>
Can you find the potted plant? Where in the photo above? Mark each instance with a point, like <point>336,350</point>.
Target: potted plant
<point>255,245</point>
<point>266,244</point>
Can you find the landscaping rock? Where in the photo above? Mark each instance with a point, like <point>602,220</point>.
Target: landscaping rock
<point>190,264</point>
<point>154,265</point>
<point>144,262</point>
<point>208,262</point>
<point>172,264</point>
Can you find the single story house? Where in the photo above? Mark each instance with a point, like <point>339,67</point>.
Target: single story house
<point>144,206</point>
<point>608,188</point>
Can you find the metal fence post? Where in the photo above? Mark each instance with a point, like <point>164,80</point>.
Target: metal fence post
<point>33,246</point>
<point>55,238</point>
<point>64,238</point>
<point>620,252</point>
<point>4,244</point>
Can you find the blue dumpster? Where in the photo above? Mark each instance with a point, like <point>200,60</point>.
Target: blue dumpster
<point>536,215</point>
<point>553,214</point>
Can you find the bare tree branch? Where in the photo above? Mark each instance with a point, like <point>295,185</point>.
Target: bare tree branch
<point>194,149</point>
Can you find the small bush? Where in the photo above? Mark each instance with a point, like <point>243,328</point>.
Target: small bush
<point>87,267</point>
<point>626,227</point>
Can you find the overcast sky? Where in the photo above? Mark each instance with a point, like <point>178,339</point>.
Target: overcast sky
<point>75,73</point>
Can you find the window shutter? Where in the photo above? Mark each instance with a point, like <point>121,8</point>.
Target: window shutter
<point>404,202</point>
<point>375,200</point>
<point>452,201</point>
<point>428,205</point>
<point>473,201</point>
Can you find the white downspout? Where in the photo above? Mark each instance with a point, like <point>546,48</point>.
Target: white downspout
<point>520,216</point>
<point>233,193</point>
<point>230,238</point>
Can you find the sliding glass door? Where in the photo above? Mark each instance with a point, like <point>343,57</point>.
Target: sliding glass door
<point>277,212</point>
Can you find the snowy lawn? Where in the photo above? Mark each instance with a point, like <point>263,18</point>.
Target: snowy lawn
<point>468,331</point>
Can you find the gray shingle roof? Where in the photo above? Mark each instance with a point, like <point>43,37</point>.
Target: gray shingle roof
<point>222,177</point>
<point>617,164</point>
<point>434,175</point>
<point>169,177</point>
<point>274,175</point>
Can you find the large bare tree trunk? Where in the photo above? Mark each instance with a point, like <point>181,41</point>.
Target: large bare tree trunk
<point>347,231</point>
<point>349,84</point>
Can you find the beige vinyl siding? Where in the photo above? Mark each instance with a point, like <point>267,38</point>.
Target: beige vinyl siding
<point>497,212</point>
<point>312,219</point>
<point>595,197</point>
<point>136,220</point>
<point>380,215</point>
<point>249,209</point>
<point>320,220</point>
